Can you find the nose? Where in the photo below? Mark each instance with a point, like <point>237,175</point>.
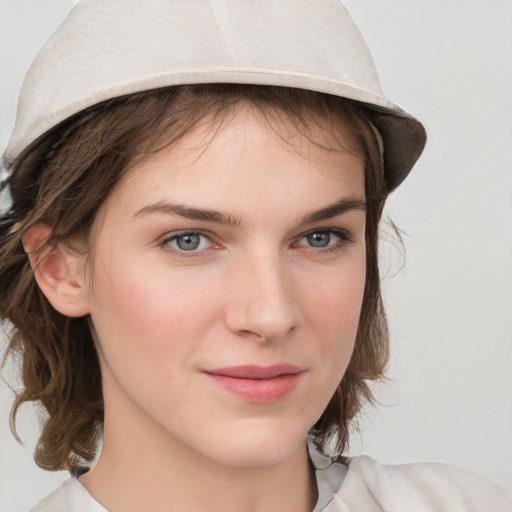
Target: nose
<point>263,300</point>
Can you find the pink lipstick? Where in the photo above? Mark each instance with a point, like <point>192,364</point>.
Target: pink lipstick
<point>259,384</point>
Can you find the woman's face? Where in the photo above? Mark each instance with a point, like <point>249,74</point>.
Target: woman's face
<point>226,290</point>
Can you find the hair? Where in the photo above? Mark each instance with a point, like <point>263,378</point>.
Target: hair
<point>63,179</point>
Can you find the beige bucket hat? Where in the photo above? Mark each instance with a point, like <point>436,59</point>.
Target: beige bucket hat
<point>110,48</point>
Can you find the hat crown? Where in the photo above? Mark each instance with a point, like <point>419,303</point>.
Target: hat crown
<point>108,48</point>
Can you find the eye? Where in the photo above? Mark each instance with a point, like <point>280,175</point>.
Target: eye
<point>325,239</point>
<point>187,241</point>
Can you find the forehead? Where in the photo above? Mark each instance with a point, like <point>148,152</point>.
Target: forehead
<point>249,153</point>
<point>241,128</point>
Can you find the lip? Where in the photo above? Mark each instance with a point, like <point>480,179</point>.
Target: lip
<point>258,384</point>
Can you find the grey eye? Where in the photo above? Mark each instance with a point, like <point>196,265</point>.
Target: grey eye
<point>182,242</point>
<point>319,239</point>
<point>188,242</point>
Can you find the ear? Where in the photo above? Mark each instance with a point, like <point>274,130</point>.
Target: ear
<point>58,272</point>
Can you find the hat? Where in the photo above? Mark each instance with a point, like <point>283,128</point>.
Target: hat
<point>110,48</point>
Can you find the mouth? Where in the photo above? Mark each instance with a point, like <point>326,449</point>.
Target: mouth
<point>258,384</point>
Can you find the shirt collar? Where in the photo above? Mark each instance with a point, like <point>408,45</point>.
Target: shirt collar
<point>329,476</point>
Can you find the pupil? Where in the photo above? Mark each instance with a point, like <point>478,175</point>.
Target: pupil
<point>319,239</point>
<point>188,242</point>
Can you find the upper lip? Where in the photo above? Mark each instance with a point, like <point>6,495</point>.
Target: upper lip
<point>255,371</point>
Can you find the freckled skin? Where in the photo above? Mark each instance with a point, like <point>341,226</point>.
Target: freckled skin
<point>257,293</point>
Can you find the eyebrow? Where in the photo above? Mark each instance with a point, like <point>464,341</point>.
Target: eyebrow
<point>340,207</point>
<point>190,213</point>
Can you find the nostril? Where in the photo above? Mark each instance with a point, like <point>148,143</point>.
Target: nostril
<point>266,335</point>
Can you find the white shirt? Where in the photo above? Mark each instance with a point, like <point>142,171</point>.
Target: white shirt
<point>358,484</point>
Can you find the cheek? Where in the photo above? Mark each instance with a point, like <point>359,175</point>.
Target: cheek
<point>334,312</point>
<point>335,302</point>
<point>332,307</point>
<point>145,311</point>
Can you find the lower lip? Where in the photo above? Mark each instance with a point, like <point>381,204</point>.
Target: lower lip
<point>258,390</point>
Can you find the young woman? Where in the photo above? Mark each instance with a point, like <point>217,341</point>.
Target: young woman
<point>189,260</point>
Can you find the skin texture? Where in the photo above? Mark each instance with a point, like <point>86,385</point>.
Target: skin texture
<point>254,292</point>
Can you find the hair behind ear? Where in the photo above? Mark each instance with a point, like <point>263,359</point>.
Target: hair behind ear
<point>59,365</point>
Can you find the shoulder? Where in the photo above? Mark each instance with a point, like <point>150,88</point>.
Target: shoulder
<point>70,496</point>
<point>422,487</point>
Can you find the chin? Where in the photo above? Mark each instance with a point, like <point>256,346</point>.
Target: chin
<point>261,444</point>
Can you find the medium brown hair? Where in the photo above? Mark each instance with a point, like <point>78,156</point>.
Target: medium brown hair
<point>64,178</point>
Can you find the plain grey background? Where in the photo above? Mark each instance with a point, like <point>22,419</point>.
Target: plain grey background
<point>449,397</point>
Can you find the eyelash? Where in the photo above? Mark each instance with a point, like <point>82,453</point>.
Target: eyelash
<point>344,237</point>
<point>165,243</point>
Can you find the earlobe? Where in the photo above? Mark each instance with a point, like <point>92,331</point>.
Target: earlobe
<point>57,271</point>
